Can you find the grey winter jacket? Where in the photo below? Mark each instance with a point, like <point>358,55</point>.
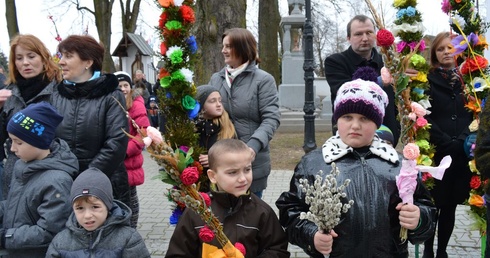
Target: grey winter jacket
<point>371,226</point>
<point>253,105</point>
<point>14,104</point>
<point>38,205</point>
<point>114,239</point>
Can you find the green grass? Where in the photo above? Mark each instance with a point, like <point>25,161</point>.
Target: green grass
<point>287,148</point>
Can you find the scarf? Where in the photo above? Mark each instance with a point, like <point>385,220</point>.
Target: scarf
<point>231,73</point>
<point>30,88</point>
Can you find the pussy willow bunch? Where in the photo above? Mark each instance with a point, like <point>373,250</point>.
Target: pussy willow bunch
<point>172,161</point>
<point>174,166</point>
<point>325,198</point>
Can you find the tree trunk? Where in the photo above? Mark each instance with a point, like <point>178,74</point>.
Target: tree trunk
<point>213,17</point>
<point>129,17</point>
<point>11,17</point>
<point>269,19</point>
<point>103,16</point>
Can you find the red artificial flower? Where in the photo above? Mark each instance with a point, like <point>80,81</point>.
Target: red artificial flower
<point>163,48</point>
<point>189,176</point>
<point>163,73</point>
<point>385,38</point>
<point>474,64</point>
<point>206,198</point>
<point>206,234</point>
<point>187,14</point>
<point>426,176</point>
<point>241,248</point>
<point>475,182</point>
<point>163,20</point>
<point>171,34</point>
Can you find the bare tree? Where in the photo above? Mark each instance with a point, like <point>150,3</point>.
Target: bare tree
<point>213,17</point>
<point>11,16</point>
<point>129,17</point>
<point>269,20</point>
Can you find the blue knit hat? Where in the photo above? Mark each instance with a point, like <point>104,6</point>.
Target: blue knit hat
<point>36,124</point>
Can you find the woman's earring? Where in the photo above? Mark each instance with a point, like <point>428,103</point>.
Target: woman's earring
<point>86,68</point>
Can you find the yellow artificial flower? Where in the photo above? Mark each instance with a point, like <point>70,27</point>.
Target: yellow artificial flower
<point>472,166</point>
<point>398,3</point>
<point>421,77</point>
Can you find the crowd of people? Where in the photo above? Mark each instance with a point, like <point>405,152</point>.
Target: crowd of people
<point>68,184</point>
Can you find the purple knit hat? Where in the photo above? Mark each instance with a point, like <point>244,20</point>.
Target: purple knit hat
<point>361,97</point>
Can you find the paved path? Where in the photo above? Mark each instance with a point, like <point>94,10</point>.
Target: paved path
<point>155,211</point>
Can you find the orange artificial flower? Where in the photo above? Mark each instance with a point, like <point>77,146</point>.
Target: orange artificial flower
<point>476,200</point>
<point>472,105</point>
<point>482,41</point>
<point>166,3</point>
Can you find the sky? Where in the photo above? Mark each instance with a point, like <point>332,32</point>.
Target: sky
<point>33,19</point>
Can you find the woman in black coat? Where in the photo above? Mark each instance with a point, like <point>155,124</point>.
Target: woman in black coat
<point>93,120</point>
<point>450,120</point>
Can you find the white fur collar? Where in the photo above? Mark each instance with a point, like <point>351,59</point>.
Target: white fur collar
<point>334,148</point>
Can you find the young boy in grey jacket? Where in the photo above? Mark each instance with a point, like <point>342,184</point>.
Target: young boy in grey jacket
<point>99,225</point>
<point>37,205</point>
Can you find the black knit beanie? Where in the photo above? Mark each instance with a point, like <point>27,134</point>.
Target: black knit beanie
<point>92,182</point>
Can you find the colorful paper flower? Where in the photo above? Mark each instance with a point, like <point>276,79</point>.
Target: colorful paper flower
<point>475,182</point>
<point>176,213</point>
<point>479,84</point>
<point>384,38</point>
<point>445,6</point>
<point>189,176</point>
<point>241,248</point>
<point>474,64</point>
<point>206,234</point>
<point>188,102</point>
<point>206,198</point>
<point>163,48</point>
<point>187,14</point>
<point>166,3</point>
<point>421,122</point>
<point>191,43</point>
<point>411,151</point>
<point>188,74</point>
<point>460,44</point>
<point>476,200</point>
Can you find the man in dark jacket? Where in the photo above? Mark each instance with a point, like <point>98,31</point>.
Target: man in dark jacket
<point>340,67</point>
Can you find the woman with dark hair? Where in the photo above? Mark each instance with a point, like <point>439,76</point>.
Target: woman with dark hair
<point>449,128</point>
<point>32,77</point>
<point>93,121</point>
<point>250,97</point>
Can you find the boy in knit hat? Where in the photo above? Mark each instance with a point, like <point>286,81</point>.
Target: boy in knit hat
<point>371,227</point>
<point>37,205</point>
<point>99,217</point>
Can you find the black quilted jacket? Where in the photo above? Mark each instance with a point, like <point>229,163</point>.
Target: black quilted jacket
<point>371,227</point>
